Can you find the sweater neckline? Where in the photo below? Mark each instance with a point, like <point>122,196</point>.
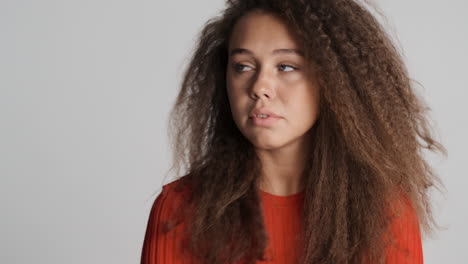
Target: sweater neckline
<point>289,200</point>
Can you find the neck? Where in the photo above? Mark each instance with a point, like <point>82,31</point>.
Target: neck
<point>282,169</point>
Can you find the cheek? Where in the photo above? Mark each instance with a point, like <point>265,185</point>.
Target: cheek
<point>231,91</point>
<point>304,103</point>
<point>233,96</point>
<point>236,101</point>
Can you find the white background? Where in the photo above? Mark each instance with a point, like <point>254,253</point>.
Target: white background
<point>85,89</point>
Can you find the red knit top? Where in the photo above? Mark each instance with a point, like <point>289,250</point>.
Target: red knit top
<point>282,216</point>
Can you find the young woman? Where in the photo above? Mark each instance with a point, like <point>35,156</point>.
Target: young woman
<point>301,137</point>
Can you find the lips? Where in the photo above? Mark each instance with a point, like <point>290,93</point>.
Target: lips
<point>263,111</point>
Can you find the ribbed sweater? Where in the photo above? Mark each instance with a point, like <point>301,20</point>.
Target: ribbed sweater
<point>282,216</point>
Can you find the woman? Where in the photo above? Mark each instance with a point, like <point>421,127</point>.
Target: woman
<point>298,128</point>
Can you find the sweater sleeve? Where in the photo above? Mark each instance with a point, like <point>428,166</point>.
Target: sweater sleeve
<point>161,247</point>
<point>151,243</point>
<point>408,245</point>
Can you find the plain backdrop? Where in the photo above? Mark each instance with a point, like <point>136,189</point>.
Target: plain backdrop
<point>85,90</point>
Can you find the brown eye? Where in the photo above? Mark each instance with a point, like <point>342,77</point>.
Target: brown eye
<point>283,66</point>
<point>240,67</point>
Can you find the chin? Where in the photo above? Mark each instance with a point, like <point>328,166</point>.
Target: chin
<point>267,144</point>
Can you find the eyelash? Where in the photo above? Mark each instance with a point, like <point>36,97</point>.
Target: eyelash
<point>237,65</point>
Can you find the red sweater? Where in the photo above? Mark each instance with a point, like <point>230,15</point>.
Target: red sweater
<point>282,221</point>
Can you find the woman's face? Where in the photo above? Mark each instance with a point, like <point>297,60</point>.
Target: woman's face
<point>266,72</point>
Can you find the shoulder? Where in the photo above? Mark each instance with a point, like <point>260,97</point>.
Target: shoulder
<point>163,232</point>
<point>405,231</point>
<point>176,185</point>
<point>177,190</point>
<point>403,210</point>
<point>171,199</point>
<point>403,216</point>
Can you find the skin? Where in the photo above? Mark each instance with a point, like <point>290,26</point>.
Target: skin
<point>284,83</point>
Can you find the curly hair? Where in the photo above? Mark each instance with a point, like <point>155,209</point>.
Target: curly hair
<point>367,142</point>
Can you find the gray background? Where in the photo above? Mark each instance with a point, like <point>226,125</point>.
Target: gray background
<point>85,89</point>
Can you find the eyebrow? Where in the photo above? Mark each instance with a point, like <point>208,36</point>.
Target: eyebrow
<point>274,52</point>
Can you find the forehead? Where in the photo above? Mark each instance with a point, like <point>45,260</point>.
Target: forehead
<point>262,31</point>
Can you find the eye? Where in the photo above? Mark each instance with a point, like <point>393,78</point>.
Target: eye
<point>239,67</point>
<point>282,66</point>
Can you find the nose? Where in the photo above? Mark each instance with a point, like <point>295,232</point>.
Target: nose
<point>263,86</point>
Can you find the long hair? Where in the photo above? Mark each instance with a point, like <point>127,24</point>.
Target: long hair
<point>366,150</point>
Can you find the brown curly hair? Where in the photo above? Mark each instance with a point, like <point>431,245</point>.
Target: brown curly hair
<point>365,150</point>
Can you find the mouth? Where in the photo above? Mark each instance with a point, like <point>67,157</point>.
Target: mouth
<point>264,120</point>
<point>263,113</point>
